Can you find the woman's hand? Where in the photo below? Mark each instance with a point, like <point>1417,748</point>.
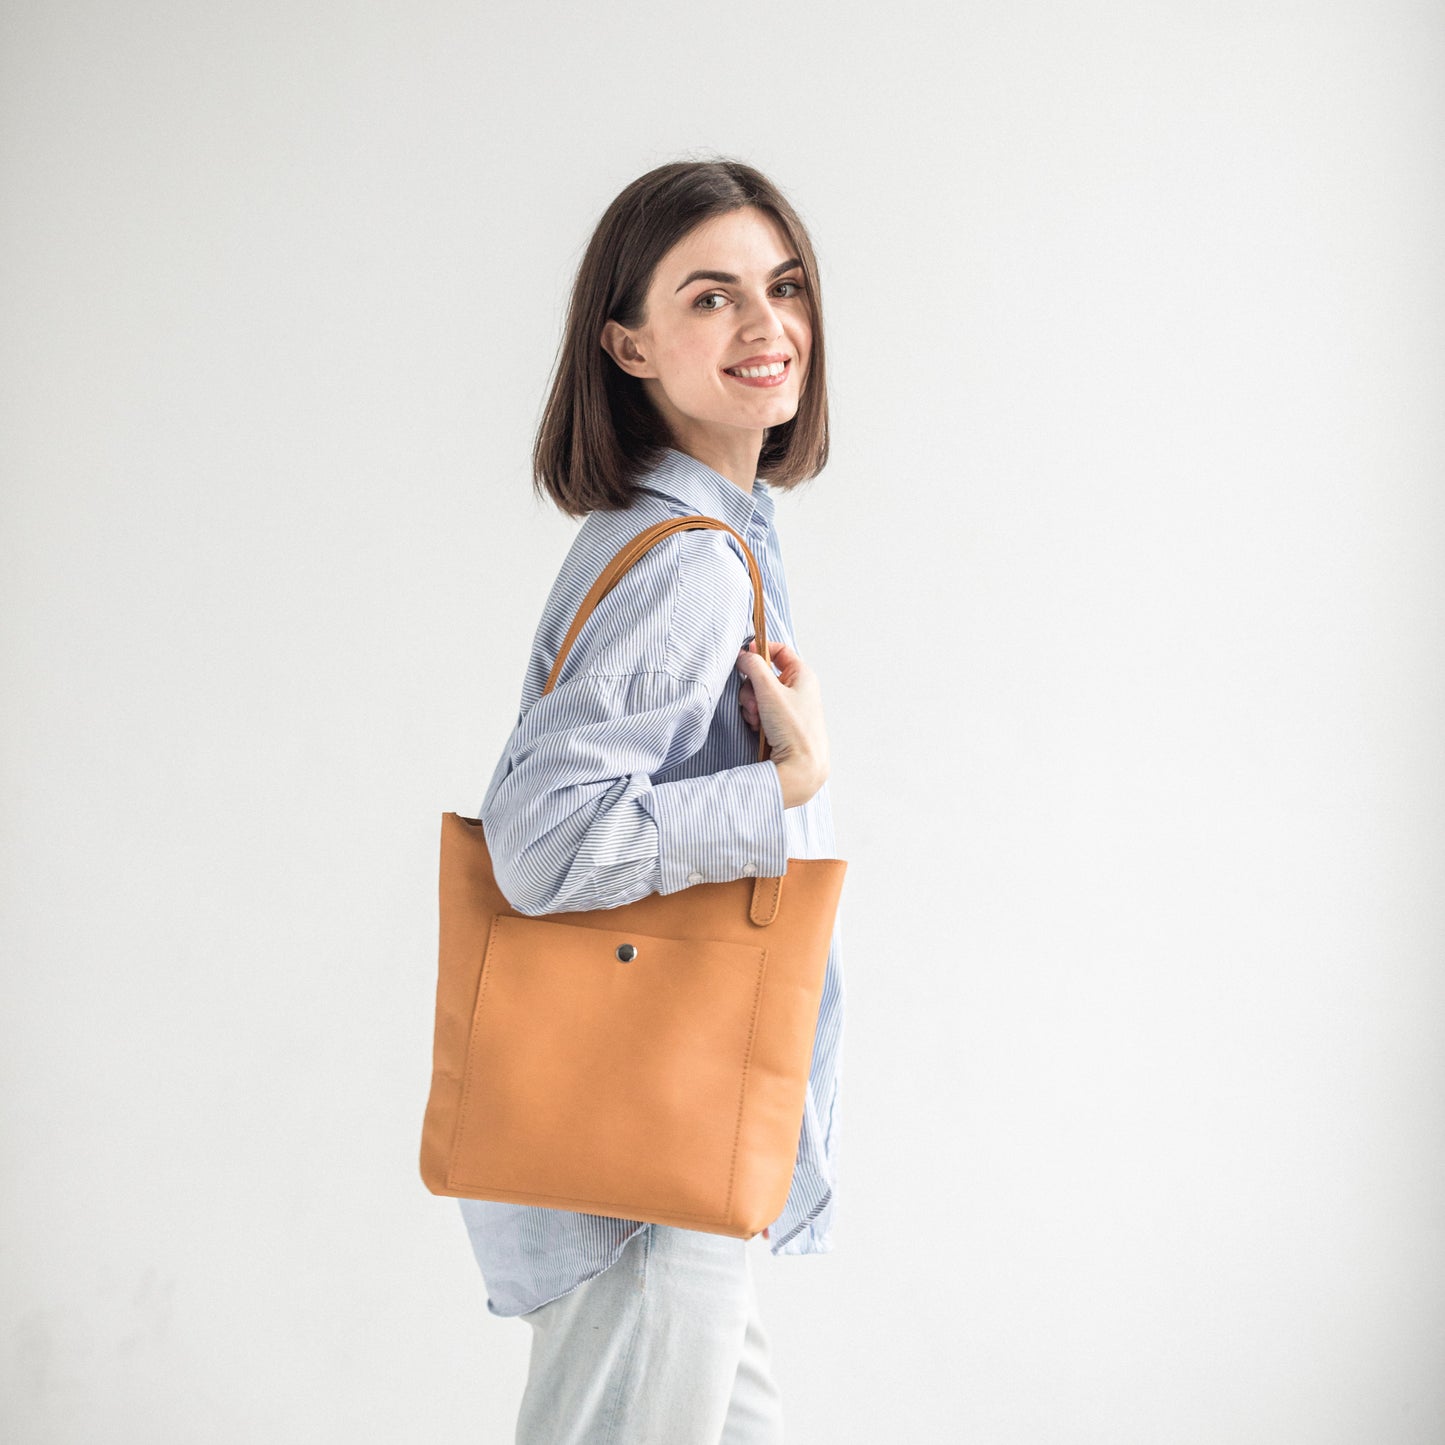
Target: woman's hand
<point>787,707</point>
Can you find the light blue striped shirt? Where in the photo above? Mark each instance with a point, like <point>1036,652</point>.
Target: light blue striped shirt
<point>638,774</point>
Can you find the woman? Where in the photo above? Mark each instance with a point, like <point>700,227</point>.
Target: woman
<point>693,362</point>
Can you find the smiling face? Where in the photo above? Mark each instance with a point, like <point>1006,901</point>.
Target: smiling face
<point>730,293</point>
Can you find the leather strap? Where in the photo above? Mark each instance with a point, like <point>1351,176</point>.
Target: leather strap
<point>642,543</point>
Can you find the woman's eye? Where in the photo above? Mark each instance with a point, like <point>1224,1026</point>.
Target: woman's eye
<point>796,285</point>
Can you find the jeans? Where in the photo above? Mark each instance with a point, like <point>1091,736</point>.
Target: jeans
<point>664,1347</point>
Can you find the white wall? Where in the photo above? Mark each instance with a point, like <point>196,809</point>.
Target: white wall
<point>1125,590</point>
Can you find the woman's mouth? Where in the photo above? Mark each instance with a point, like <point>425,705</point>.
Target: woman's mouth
<point>766,378</point>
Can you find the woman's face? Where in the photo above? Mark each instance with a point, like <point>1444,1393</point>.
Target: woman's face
<point>729,292</point>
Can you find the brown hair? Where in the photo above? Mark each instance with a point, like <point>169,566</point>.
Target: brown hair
<point>599,432</point>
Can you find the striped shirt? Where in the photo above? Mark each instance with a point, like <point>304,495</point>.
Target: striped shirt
<point>638,774</point>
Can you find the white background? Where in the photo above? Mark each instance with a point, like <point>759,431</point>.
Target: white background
<point>1124,587</point>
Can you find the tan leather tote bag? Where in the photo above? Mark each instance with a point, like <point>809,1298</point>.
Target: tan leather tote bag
<point>644,1062</point>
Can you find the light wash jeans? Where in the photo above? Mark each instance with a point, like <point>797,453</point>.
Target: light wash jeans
<point>664,1347</point>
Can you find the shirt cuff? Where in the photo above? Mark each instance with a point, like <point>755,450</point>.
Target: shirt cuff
<point>813,1236</point>
<point>721,826</point>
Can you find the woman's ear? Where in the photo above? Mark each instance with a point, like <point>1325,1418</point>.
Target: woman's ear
<point>620,344</point>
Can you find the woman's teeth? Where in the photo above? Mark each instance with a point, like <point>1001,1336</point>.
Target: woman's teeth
<point>773,369</point>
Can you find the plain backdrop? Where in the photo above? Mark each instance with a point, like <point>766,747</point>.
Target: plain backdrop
<point>1124,587</point>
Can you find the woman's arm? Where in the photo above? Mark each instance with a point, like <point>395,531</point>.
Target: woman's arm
<point>577,822</point>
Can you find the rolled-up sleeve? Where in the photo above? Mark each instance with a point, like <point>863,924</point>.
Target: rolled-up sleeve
<point>693,849</point>
<point>577,822</point>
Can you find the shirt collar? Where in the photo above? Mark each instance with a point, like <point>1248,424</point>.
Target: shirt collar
<point>693,483</point>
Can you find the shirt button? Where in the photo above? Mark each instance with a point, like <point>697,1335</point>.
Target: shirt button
<point>694,877</point>
<point>750,869</point>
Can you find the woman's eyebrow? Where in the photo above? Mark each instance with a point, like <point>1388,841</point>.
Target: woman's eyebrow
<point>730,280</point>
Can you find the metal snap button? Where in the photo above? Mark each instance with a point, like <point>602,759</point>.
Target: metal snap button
<point>626,952</point>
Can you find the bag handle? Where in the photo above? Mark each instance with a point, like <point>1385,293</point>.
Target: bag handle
<point>641,544</point>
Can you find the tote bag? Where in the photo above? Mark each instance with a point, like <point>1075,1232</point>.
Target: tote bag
<point>646,1062</point>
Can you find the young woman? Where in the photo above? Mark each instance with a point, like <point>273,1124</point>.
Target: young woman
<point>692,365</point>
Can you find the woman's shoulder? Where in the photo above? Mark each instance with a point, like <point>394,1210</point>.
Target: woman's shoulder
<point>697,558</point>
<point>606,532</point>
<point>694,583</point>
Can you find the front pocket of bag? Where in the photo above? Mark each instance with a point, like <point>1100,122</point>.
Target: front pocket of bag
<point>594,1080</point>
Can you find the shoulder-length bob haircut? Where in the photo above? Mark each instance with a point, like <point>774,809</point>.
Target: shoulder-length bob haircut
<point>599,432</point>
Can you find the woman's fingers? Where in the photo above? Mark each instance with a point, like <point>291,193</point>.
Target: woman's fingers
<point>779,653</point>
<point>748,702</point>
<point>790,710</point>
